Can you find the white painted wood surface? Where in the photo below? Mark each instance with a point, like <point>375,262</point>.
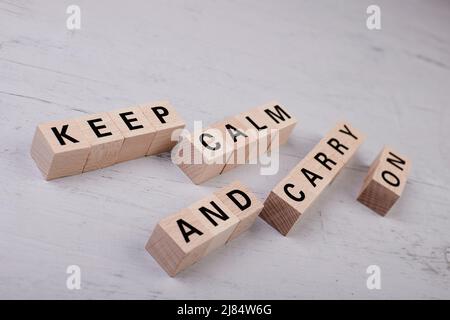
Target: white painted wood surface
<point>213,59</point>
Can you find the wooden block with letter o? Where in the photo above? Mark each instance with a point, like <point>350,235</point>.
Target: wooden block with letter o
<point>137,130</point>
<point>60,149</point>
<point>385,181</point>
<point>180,240</point>
<point>303,185</point>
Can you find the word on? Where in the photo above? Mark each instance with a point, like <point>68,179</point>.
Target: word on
<point>222,146</point>
<point>68,147</point>
<point>296,192</point>
<point>183,238</point>
<point>385,181</point>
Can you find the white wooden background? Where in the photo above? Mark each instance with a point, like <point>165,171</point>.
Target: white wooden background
<point>213,59</point>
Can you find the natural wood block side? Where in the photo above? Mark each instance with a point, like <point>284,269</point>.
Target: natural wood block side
<point>385,181</point>
<point>292,196</point>
<point>59,149</point>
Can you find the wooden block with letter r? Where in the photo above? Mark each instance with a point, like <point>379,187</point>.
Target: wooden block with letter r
<point>137,130</point>
<point>105,140</point>
<point>60,148</point>
<point>385,181</point>
<point>167,123</point>
<point>179,241</point>
<point>243,203</point>
<point>303,185</point>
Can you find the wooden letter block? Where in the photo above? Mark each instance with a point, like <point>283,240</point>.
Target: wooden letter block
<point>385,181</point>
<point>166,121</point>
<point>105,140</point>
<point>60,149</point>
<point>296,192</point>
<point>243,204</point>
<point>179,241</point>
<point>218,219</point>
<point>138,132</point>
<point>182,239</point>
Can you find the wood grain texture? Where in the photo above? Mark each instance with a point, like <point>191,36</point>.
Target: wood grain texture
<point>213,60</point>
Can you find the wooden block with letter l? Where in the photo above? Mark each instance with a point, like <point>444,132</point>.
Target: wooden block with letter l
<point>385,181</point>
<point>302,186</point>
<point>243,204</point>
<point>105,140</point>
<point>60,149</point>
<point>184,238</point>
<point>167,123</point>
<point>137,130</point>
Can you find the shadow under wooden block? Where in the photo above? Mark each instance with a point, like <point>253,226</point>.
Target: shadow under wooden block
<point>105,140</point>
<point>202,156</point>
<point>167,124</point>
<point>217,218</point>
<point>385,181</point>
<point>179,241</point>
<point>60,149</point>
<point>242,203</point>
<point>138,132</point>
<point>296,192</point>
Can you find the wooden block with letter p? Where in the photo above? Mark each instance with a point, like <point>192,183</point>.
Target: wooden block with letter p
<point>105,140</point>
<point>385,181</point>
<point>60,148</point>
<point>137,130</point>
<point>167,123</point>
<point>243,204</point>
<point>179,241</point>
<point>296,192</point>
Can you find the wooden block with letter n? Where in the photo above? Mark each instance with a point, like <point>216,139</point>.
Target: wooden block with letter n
<point>59,149</point>
<point>385,181</point>
<point>137,130</point>
<point>167,123</point>
<point>303,185</point>
<point>184,238</point>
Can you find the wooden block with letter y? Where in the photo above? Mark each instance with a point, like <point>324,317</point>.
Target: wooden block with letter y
<point>303,185</point>
<point>60,149</point>
<point>385,181</point>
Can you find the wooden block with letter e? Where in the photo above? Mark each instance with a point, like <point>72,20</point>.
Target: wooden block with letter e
<point>385,181</point>
<point>105,140</point>
<point>243,204</point>
<point>166,121</point>
<point>303,185</point>
<point>184,238</point>
<point>60,149</point>
<point>137,130</point>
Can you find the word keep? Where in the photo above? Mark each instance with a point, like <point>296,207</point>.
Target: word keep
<point>385,181</point>
<point>183,238</point>
<point>235,140</point>
<point>296,192</point>
<point>68,147</point>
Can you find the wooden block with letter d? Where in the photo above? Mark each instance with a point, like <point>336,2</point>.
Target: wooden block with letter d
<point>60,149</point>
<point>105,140</point>
<point>385,181</point>
<point>303,185</point>
<point>167,123</point>
<point>243,204</point>
<point>137,130</point>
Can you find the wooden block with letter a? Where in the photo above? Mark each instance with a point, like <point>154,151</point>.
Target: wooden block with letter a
<point>105,140</point>
<point>243,204</point>
<point>296,192</point>
<point>137,130</point>
<point>167,123</point>
<point>385,181</point>
<point>60,149</point>
<point>179,241</point>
